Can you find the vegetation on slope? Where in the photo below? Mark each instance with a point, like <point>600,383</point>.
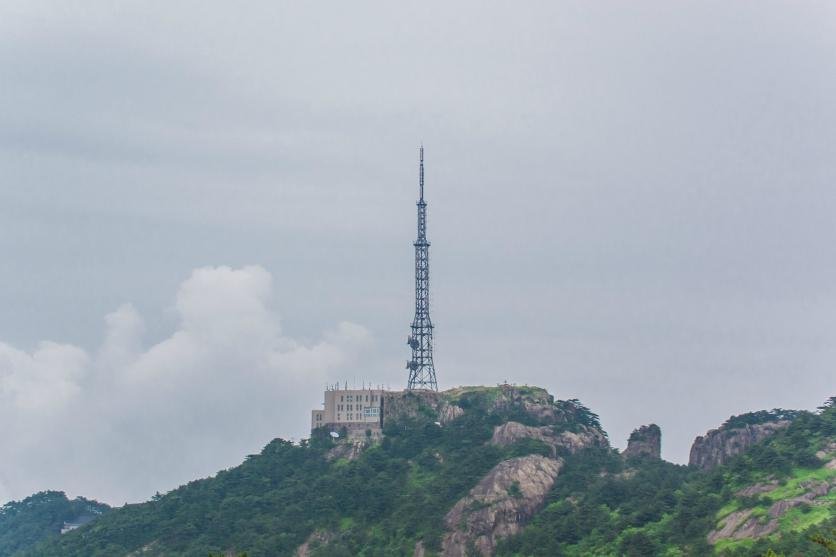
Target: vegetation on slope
<point>395,494</point>
<point>601,505</point>
<point>41,517</point>
<point>398,492</point>
<point>760,417</point>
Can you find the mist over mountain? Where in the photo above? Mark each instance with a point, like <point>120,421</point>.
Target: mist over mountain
<point>505,471</point>
<point>211,212</point>
<point>631,206</point>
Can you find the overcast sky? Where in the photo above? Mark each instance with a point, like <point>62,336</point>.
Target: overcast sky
<point>207,209</point>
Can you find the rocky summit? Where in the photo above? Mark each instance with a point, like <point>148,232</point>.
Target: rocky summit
<point>490,471</point>
<point>720,445</point>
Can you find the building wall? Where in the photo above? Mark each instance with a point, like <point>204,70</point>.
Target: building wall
<point>345,407</point>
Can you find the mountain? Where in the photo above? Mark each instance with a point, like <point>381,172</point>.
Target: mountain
<point>775,493</point>
<point>504,471</point>
<point>41,517</point>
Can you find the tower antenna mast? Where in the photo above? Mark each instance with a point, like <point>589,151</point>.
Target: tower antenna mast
<point>421,369</point>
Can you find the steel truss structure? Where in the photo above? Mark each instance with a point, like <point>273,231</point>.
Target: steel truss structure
<point>421,369</point>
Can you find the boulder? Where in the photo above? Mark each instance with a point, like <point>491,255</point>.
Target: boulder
<point>645,442</point>
<point>499,505</point>
<point>510,432</point>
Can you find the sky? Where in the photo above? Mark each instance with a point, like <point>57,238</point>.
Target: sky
<point>207,212</point>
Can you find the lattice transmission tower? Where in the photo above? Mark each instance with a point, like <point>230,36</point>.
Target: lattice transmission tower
<point>421,369</point>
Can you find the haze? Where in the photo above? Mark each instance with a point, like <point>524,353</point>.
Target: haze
<point>206,214</point>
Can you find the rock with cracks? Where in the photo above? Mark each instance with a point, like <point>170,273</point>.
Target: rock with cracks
<point>645,442</point>
<point>741,525</point>
<point>500,504</point>
<point>560,442</point>
<point>719,446</point>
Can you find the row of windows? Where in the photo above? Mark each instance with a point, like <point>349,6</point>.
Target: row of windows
<point>350,398</point>
<point>368,412</point>
<point>349,417</point>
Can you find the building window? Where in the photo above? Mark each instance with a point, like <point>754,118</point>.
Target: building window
<point>341,398</point>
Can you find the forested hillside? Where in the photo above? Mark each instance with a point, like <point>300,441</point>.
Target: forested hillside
<point>41,517</point>
<point>603,505</point>
<point>499,470</point>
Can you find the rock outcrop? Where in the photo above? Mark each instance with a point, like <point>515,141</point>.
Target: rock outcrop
<point>741,525</point>
<point>718,446</point>
<point>448,412</point>
<point>521,403</point>
<point>828,454</point>
<point>508,496</point>
<point>499,505</point>
<point>646,442</point>
<point>412,404</point>
<point>757,489</point>
<point>565,441</point>
<point>349,450</point>
<point>734,522</point>
<point>536,403</point>
<point>814,491</point>
<point>317,540</point>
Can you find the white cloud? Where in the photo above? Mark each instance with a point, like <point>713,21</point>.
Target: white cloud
<point>620,210</point>
<point>42,381</point>
<point>132,420</point>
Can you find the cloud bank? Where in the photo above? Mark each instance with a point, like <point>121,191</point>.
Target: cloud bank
<point>629,205</point>
<point>130,419</point>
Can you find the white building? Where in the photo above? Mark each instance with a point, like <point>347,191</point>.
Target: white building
<point>350,408</point>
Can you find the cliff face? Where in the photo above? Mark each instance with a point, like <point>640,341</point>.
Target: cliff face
<point>561,442</point>
<point>645,441</point>
<point>532,404</point>
<point>412,404</point>
<point>500,504</point>
<point>718,446</point>
<point>506,498</point>
<point>747,524</point>
<point>513,490</point>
